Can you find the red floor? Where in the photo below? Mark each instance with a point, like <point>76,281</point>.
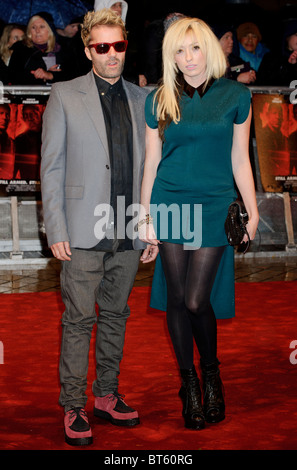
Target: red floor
<point>258,368</point>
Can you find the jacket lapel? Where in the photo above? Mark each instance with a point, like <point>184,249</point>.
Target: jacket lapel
<point>92,103</point>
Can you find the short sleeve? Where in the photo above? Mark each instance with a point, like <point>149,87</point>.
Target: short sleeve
<point>244,104</point>
<point>150,111</point>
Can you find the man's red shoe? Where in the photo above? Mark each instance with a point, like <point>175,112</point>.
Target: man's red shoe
<point>77,429</point>
<point>113,408</point>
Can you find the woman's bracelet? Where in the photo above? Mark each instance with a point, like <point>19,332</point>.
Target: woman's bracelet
<point>147,220</point>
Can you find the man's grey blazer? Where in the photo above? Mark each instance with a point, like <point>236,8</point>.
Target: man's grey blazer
<point>75,166</point>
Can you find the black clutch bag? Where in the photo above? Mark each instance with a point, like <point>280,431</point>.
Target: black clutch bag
<point>235,224</point>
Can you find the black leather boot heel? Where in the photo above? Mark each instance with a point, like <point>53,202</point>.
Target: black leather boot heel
<point>190,393</point>
<point>213,393</point>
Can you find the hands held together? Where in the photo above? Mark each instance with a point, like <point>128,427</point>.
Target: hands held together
<point>147,234</point>
<point>62,251</point>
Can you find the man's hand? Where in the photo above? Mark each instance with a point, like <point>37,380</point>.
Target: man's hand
<point>61,251</point>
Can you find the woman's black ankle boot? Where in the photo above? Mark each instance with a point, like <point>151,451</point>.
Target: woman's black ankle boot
<point>213,393</point>
<point>190,393</point>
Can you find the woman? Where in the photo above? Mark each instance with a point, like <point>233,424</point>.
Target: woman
<point>37,59</point>
<point>237,69</point>
<point>11,34</point>
<point>196,142</point>
<point>251,48</point>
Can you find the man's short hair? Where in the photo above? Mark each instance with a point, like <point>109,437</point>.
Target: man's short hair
<point>104,17</point>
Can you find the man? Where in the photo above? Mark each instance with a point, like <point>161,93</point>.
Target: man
<point>292,144</point>
<point>273,138</point>
<point>27,144</point>
<point>120,8</point>
<point>6,144</point>
<point>72,49</point>
<point>69,31</point>
<point>93,152</point>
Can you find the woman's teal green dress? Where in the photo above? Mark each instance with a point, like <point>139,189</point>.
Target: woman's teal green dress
<point>194,182</point>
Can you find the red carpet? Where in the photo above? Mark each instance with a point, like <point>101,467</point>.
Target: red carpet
<point>259,378</point>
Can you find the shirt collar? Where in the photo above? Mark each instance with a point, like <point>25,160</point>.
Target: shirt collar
<point>105,87</point>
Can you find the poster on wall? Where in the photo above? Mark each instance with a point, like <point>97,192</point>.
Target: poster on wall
<point>275,119</point>
<point>20,143</point>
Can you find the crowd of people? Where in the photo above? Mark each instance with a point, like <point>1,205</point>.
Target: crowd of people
<point>39,53</point>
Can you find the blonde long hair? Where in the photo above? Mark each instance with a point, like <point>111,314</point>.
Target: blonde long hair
<point>51,42</point>
<point>5,51</point>
<point>169,92</point>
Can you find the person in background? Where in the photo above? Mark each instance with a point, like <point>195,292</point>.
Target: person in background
<point>291,43</point>
<point>187,169</point>
<point>251,49</point>
<point>237,69</point>
<point>70,30</point>
<point>120,8</point>
<point>72,49</point>
<point>150,55</point>
<point>92,154</point>
<point>279,67</point>
<point>11,33</point>
<point>37,60</point>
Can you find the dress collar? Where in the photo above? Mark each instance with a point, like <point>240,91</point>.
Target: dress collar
<point>200,89</point>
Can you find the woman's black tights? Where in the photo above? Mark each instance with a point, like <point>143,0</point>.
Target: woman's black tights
<point>190,275</point>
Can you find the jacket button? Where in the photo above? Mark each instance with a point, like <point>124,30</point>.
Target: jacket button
<point>107,167</point>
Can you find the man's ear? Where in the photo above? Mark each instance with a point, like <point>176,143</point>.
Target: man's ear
<point>88,54</point>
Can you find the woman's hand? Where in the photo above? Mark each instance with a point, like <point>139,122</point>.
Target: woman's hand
<point>41,74</point>
<point>149,254</point>
<point>55,68</point>
<point>293,58</point>
<point>247,77</point>
<point>252,228</point>
<point>147,234</point>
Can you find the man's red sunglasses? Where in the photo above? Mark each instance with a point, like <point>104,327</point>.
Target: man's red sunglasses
<point>103,47</point>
